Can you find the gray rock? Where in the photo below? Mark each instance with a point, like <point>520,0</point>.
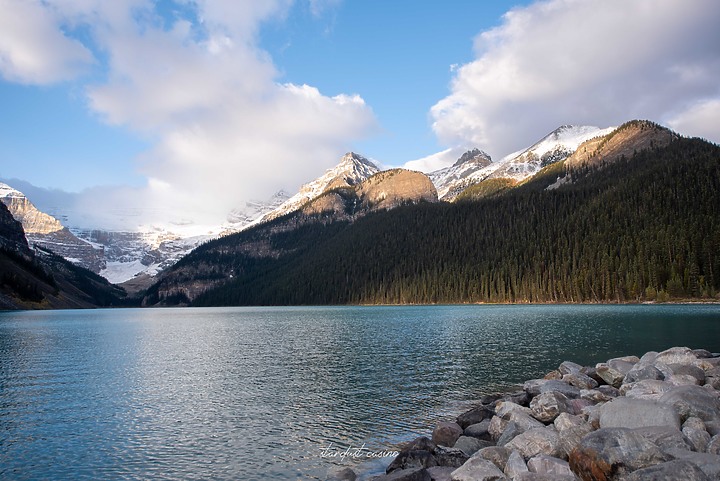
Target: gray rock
<point>569,367</point>
<point>543,464</point>
<point>470,445</point>
<point>609,390</point>
<point>689,370</point>
<point>515,465</point>
<point>413,474</point>
<point>339,473</point>
<point>626,412</point>
<point>416,454</point>
<point>648,389</point>
<point>578,406</point>
<point>693,401</point>
<point>714,445</point>
<point>623,364</point>
<point>477,469</point>
<point>580,381</point>
<point>713,427</point>
<point>611,452</point>
<point>536,441</point>
<point>676,355</point>
<point>671,470</point>
<point>440,473</point>
<point>611,376</point>
<point>505,408</point>
<point>562,387</point>
<point>701,353</point>
<point>452,457</point>
<point>546,406</point>
<point>532,386</point>
<point>595,396</point>
<point>511,430</point>
<point>647,372</point>
<point>681,380</point>
<point>648,358</point>
<point>565,421</point>
<point>497,455</point>
<point>446,433</point>
<point>518,397</point>
<point>543,477</point>
<point>474,416</point>
<point>709,463</point>
<point>497,427</point>
<point>697,439</point>
<point>570,438</point>
<point>664,437</point>
<point>694,423</point>
<point>479,430</point>
<point>525,421</point>
<point>591,372</point>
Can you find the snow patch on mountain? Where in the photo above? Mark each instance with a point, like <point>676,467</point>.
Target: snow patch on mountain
<point>554,147</point>
<point>352,170</point>
<point>472,167</point>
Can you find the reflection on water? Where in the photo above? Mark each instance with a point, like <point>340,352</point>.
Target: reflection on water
<point>258,393</point>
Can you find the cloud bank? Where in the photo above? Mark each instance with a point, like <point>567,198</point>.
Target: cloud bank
<point>592,62</point>
<point>193,80</point>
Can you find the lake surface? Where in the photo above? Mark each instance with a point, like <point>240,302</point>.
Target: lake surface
<point>262,393</point>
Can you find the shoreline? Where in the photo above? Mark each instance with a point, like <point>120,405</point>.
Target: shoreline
<point>627,419</point>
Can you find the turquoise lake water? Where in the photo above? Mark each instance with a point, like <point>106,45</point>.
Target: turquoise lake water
<point>269,393</point>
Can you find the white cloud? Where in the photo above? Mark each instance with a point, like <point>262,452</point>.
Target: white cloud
<point>699,120</point>
<point>199,87</point>
<point>33,50</point>
<point>436,161</point>
<point>596,62</point>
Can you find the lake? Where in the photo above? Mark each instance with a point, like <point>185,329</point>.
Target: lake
<point>271,393</point>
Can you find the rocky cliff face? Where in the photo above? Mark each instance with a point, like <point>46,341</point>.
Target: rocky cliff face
<point>625,141</point>
<point>384,190</point>
<point>47,232</point>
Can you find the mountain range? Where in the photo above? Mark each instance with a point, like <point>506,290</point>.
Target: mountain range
<point>269,237</point>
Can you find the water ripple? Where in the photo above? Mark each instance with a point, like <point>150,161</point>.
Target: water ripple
<point>259,393</point>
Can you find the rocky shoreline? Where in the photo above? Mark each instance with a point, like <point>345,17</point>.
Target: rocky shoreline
<point>656,417</point>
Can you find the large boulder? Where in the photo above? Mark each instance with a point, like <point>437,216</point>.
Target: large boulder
<point>479,430</point>
<point>709,463</point>
<point>546,406</point>
<point>497,455</point>
<point>440,473</point>
<point>664,437</point>
<point>543,464</point>
<point>649,389</point>
<point>624,412</point>
<point>470,445</point>
<point>676,355</point>
<point>537,441</point>
<point>478,468</point>
<point>689,370</point>
<point>611,376</point>
<point>693,401</point>
<point>446,433</point>
<point>416,454</point>
<point>515,465</point>
<point>452,457</point>
<point>672,470</point>
<point>504,409</point>
<point>608,453</point>
<point>623,364</point>
<point>641,373</point>
<point>580,380</point>
<point>474,416</point>
<point>569,367</point>
<point>511,431</point>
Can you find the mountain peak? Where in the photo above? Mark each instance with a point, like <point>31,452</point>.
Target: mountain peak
<point>475,156</point>
<point>353,158</point>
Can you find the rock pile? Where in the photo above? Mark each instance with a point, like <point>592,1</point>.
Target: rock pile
<point>651,418</point>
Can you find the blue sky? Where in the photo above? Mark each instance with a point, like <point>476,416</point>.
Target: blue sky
<point>197,106</point>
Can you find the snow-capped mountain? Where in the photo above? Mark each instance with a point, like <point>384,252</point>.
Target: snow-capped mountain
<point>352,169</point>
<point>46,231</point>
<point>554,147</point>
<point>472,167</point>
<point>253,212</point>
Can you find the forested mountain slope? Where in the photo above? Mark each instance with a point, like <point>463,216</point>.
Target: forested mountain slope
<point>636,227</point>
